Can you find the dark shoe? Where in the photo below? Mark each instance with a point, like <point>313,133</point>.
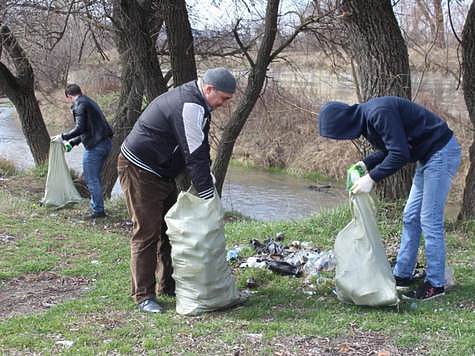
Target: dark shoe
<point>97,215</point>
<point>403,283</point>
<point>150,306</point>
<point>170,293</point>
<point>425,292</point>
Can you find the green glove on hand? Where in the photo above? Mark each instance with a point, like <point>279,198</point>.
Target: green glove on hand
<point>68,147</point>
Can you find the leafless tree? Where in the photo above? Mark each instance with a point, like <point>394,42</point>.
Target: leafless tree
<point>468,54</point>
<point>19,87</point>
<point>258,65</point>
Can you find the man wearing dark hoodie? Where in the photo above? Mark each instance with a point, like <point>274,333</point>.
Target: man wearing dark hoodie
<point>401,131</point>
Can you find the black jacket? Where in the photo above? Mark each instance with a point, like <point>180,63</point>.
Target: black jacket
<point>171,134</point>
<point>400,131</point>
<point>91,124</point>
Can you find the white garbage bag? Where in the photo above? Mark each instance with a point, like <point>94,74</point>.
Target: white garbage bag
<point>60,189</point>
<point>203,279</point>
<point>363,274</point>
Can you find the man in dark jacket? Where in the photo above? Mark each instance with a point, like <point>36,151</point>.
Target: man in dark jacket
<point>93,131</point>
<point>170,135</point>
<point>401,132</point>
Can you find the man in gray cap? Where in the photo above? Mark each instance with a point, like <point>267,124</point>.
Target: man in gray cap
<point>170,135</point>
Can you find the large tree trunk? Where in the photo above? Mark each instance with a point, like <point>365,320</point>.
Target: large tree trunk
<point>141,73</point>
<point>377,46</point>
<point>182,56</point>
<point>129,109</point>
<point>254,86</point>
<point>20,90</point>
<point>180,41</point>
<point>468,55</point>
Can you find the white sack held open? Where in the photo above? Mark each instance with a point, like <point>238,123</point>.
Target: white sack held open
<point>60,189</point>
<point>204,281</point>
<point>363,274</point>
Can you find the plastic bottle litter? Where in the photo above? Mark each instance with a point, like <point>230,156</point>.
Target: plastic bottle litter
<point>324,261</point>
<point>233,253</point>
<point>300,257</point>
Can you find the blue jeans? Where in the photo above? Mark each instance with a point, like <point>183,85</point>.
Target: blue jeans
<point>424,214</point>
<point>92,164</point>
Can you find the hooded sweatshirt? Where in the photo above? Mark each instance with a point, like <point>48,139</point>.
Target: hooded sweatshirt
<point>399,130</point>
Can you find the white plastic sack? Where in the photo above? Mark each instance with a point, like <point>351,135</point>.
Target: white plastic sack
<point>363,274</point>
<point>203,279</point>
<point>60,189</point>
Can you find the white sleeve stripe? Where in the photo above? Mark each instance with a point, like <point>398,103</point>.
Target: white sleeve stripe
<point>207,191</point>
<point>193,119</point>
<point>206,194</point>
<point>135,160</point>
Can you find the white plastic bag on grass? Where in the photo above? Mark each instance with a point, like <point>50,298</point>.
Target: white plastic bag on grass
<point>363,274</point>
<point>203,279</point>
<point>60,189</point>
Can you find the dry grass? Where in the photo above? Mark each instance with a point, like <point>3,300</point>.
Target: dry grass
<point>282,132</point>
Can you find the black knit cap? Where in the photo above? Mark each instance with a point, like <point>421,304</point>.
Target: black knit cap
<point>220,78</point>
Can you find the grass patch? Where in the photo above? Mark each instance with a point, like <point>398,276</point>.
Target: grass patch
<point>278,316</point>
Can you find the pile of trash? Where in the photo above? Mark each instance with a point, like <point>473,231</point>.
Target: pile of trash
<point>299,258</point>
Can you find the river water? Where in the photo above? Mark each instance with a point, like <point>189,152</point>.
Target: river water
<point>255,193</point>
<point>259,194</point>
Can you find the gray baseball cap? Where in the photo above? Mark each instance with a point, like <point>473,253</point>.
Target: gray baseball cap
<point>221,78</point>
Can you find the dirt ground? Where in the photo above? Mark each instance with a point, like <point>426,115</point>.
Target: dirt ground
<point>33,293</point>
<point>356,344</point>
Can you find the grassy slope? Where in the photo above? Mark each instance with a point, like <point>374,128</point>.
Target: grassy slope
<point>105,319</point>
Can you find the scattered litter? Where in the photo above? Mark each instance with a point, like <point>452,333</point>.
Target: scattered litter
<point>270,246</point>
<point>284,268</point>
<point>232,255</point>
<point>275,248</point>
<point>251,283</point>
<point>253,262</point>
<point>6,238</point>
<point>95,262</point>
<point>65,343</point>
<point>324,261</point>
<point>279,236</point>
<point>299,258</point>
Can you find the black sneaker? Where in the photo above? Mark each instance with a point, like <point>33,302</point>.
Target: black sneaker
<point>425,292</point>
<point>403,283</point>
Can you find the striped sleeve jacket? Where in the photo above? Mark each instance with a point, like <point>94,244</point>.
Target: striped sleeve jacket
<point>172,134</point>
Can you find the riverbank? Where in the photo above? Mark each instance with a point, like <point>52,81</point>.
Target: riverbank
<point>64,289</point>
<point>281,132</point>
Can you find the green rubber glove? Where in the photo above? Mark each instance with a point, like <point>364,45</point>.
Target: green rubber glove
<point>354,172</point>
<point>68,146</point>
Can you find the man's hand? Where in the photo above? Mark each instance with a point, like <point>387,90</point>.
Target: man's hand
<point>363,185</point>
<point>56,138</point>
<point>67,146</point>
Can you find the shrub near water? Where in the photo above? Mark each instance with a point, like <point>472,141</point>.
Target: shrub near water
<point>7,168</point>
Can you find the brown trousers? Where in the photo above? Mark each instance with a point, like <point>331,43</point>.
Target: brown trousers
<point>148,199</point>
